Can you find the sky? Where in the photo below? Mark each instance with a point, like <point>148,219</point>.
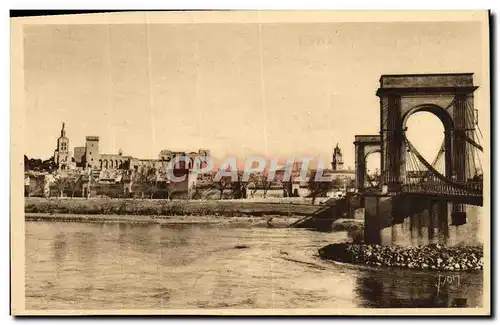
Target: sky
<point>278,90</point>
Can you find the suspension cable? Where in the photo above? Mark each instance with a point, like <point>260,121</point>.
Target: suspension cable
<point>432,169</point>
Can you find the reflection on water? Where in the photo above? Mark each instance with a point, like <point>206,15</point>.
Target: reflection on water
<point>422,289</point>
<point>112,266</point>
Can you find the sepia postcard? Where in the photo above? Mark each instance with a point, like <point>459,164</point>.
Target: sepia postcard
<point>251,163</point>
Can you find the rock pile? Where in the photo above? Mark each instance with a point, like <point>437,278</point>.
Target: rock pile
<point>433,257</point>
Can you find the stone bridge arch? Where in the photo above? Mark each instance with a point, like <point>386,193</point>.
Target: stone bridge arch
<point>365,145</point>
<point>447,96</point>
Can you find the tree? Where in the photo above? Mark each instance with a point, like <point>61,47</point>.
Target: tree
<point>287,188</point>
<point>259,182</point>
<point>147,180</point>
<point>239,187</point>
<point>90,181</point>
<point>32,164</point>
<point>61,181</point>
<point>127,181</point>
<point>26,163</point>
<point>223,183</point>
<point>47,180</point>
<point>316,187</point>
<point>338,183</point>
<point>286,184</point>
<point>36,184</point>
<point>253,184</point>
<point>197,194</point>
<point>74,183</point>
<point>48,165</point>
<point>264,183</point>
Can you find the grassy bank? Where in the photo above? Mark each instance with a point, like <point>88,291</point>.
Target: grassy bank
<point>267,222</point>
<point>233,208</point>
<point>434,257</point>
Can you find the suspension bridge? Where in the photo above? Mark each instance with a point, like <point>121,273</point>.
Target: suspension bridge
<point>446,187</point>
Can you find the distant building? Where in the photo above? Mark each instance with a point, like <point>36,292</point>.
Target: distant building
<point>91,151</point>
<point>62,155</point>
<point>202,155</point>
<point>115,174</point>
<point>114,161</point>
<point>106,167</point>
<point>341,175</point>
<point>79,155</point>
<point>168,155</point>
<point>337,162</point>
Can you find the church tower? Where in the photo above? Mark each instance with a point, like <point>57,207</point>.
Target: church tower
<point>337,162</point>
<point>61,155</point>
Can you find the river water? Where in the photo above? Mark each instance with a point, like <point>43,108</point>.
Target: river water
<point>112,266</point>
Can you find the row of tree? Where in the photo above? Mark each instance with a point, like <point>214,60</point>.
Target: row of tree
<point>239,188</point>
<point>39,165</point>
<point>39,184</point>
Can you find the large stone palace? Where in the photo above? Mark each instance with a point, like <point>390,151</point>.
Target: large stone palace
<point>89,157</point>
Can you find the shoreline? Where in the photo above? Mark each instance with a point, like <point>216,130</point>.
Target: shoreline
<point>262,221</point>
<point>147,207</point>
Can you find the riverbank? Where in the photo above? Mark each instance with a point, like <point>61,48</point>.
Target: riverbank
<point>264,221</point>
<point>435,257</point>
<point>147,207</point>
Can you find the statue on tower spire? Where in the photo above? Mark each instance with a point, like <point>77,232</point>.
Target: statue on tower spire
<point>63,131</point>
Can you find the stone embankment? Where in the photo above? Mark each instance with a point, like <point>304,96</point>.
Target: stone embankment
<point>428,257</point>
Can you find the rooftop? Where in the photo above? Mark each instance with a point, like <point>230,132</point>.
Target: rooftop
<point>427,80</point>
<point>367,138</point>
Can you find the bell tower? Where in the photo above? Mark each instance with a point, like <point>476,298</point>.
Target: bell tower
<point>337,162</point>
<point>61,154</point>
